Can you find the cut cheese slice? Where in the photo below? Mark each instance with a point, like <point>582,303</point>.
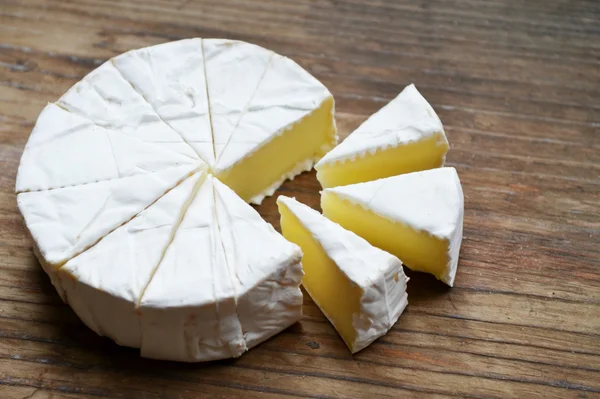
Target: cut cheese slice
<point>103,284</point>
<point>404,136</point>
<point>171,77</point>
<point>360,289</point>
<point>286,126</point>
<point>234,70</point>
<point>66,221</point>
<point>108,100</point>
<point>417,217</point>
<point>66,149</point>
<point>189,308</point>
<point>227,282</point>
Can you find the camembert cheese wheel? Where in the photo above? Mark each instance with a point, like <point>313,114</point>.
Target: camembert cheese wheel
<point>134,186</point>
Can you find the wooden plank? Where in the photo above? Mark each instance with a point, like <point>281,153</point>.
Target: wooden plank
<point>13,389</point>
<point>516,87</point>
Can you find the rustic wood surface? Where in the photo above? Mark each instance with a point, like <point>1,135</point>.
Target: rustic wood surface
<point>517,85</point>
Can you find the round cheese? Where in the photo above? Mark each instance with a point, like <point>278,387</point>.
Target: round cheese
<point>134,186</point>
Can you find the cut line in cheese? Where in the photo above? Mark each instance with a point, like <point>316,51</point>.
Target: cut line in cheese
<point>417,217</point>
<point>404,136</point>
<point>360,288</point>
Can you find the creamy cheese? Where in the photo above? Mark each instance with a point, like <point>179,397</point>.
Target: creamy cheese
<point>404,136</point>
<point>360,289</point>
<point>417,217</point>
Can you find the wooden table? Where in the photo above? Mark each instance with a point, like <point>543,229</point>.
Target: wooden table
<point>517,85</point>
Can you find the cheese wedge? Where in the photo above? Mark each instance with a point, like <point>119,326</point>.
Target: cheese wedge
<point>360,289</point>
<point>404,136</point>
<point>276,124</point>
<point>417,217</point>
<point>266,267</point>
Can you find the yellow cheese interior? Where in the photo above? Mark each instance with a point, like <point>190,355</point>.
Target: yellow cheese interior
<point>310,138</point>
<point>332,291</point>
<point>417,249</point>
<point>419,155</point>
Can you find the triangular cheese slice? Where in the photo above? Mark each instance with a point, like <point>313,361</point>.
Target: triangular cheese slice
<point>284,128</point>
<point>66,221</point>
<point>189,308</point>
<point>266,268</point>
<point>171,77</point>
<point>104,283</point>
<point>234,71</point>
<point>360,289</point>
<point>108,100</point>
<point>65,149</point>
<point>404,136</point>
<point>417,217</point>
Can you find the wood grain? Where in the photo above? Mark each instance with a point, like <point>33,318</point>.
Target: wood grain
<point>517,85</point>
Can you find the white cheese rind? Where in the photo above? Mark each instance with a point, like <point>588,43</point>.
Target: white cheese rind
<point>405,119</point>
<point>188,310</point>
<point>266,268</point>
<point>431,201</point>
<point>171,78</point>
<point>66,221</point>
<point>108,100</point>
<point>378,274</point>
<point>104,283</point>
<point>65,149</point>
